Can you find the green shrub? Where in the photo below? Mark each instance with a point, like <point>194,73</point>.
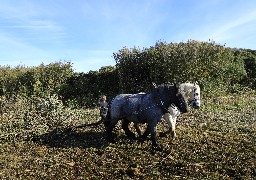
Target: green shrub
<point>9,83</point>
<point>216,67</point>
<point>212,64</point>
<point>249,57</point>
<point>85,89</point>
<point>42,80</point>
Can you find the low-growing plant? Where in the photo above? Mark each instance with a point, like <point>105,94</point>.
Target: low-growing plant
<point>24,117</point>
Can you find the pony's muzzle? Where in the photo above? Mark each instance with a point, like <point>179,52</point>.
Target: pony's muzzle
<point>195,105</point>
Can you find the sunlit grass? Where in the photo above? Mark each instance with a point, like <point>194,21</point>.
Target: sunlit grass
<point>215,142</point>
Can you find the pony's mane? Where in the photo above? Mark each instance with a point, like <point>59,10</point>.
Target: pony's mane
<point>184,88</point>
<point>187,87</point>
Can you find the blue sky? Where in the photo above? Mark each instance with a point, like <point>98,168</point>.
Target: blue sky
<point>88,32</point>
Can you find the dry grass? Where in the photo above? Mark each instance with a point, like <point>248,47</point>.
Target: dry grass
<point>215,142</point>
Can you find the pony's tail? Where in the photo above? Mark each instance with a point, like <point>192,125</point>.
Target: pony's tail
<point>88,125</point>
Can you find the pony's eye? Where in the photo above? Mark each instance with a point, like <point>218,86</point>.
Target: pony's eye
<point>196,94</point>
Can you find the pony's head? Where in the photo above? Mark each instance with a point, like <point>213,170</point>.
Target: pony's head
<point>192,92</point>
<point>195,96</point>
<point>168,94</point>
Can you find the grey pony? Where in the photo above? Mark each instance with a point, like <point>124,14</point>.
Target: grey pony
<point>143,108</point>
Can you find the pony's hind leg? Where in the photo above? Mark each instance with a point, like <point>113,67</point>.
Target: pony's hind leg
<point>137,128</point>
<point>144,136</point>
<point>128,132</point>
<point>110,127</point>
<point>152,127</point>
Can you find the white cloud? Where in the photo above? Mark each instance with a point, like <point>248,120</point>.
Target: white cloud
<point>25,20</point>
<point>230,28</point>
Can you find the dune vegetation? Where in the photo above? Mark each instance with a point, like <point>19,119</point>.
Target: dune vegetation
<point>40,105</point>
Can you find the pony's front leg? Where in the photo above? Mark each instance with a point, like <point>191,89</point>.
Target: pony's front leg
<point>173,127</point>
<point>171,120</point>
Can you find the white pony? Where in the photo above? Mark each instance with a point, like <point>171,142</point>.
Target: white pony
<point>192,93</point>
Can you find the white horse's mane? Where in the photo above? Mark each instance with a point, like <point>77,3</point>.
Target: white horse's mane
<point>188,87</point>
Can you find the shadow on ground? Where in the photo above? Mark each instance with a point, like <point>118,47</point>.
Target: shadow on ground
<point>70,138</point>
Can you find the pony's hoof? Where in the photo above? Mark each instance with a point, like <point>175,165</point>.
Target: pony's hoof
<point>141,139</point>
<point>162,134</point>
<point>157,148</point>
<point>133,137</point>
<point>132,141</point>
<point>110,139</point>
<point>174,136</point>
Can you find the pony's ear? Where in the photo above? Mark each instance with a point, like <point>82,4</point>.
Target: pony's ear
<point>154,85</point>
<point>197,81</point>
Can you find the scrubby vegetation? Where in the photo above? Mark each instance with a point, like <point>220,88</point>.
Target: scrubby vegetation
<point>39,105</point>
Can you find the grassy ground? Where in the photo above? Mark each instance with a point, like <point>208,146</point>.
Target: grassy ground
<point>218,141</point>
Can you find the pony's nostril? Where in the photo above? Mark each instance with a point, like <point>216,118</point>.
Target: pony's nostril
<point>195,105</point>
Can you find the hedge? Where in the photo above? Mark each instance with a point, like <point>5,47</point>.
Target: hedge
<point>210,63</point>
<point>216,67</point>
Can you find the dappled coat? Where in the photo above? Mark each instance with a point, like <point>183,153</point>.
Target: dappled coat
<point>139,107</point>
<point>144,108</point>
